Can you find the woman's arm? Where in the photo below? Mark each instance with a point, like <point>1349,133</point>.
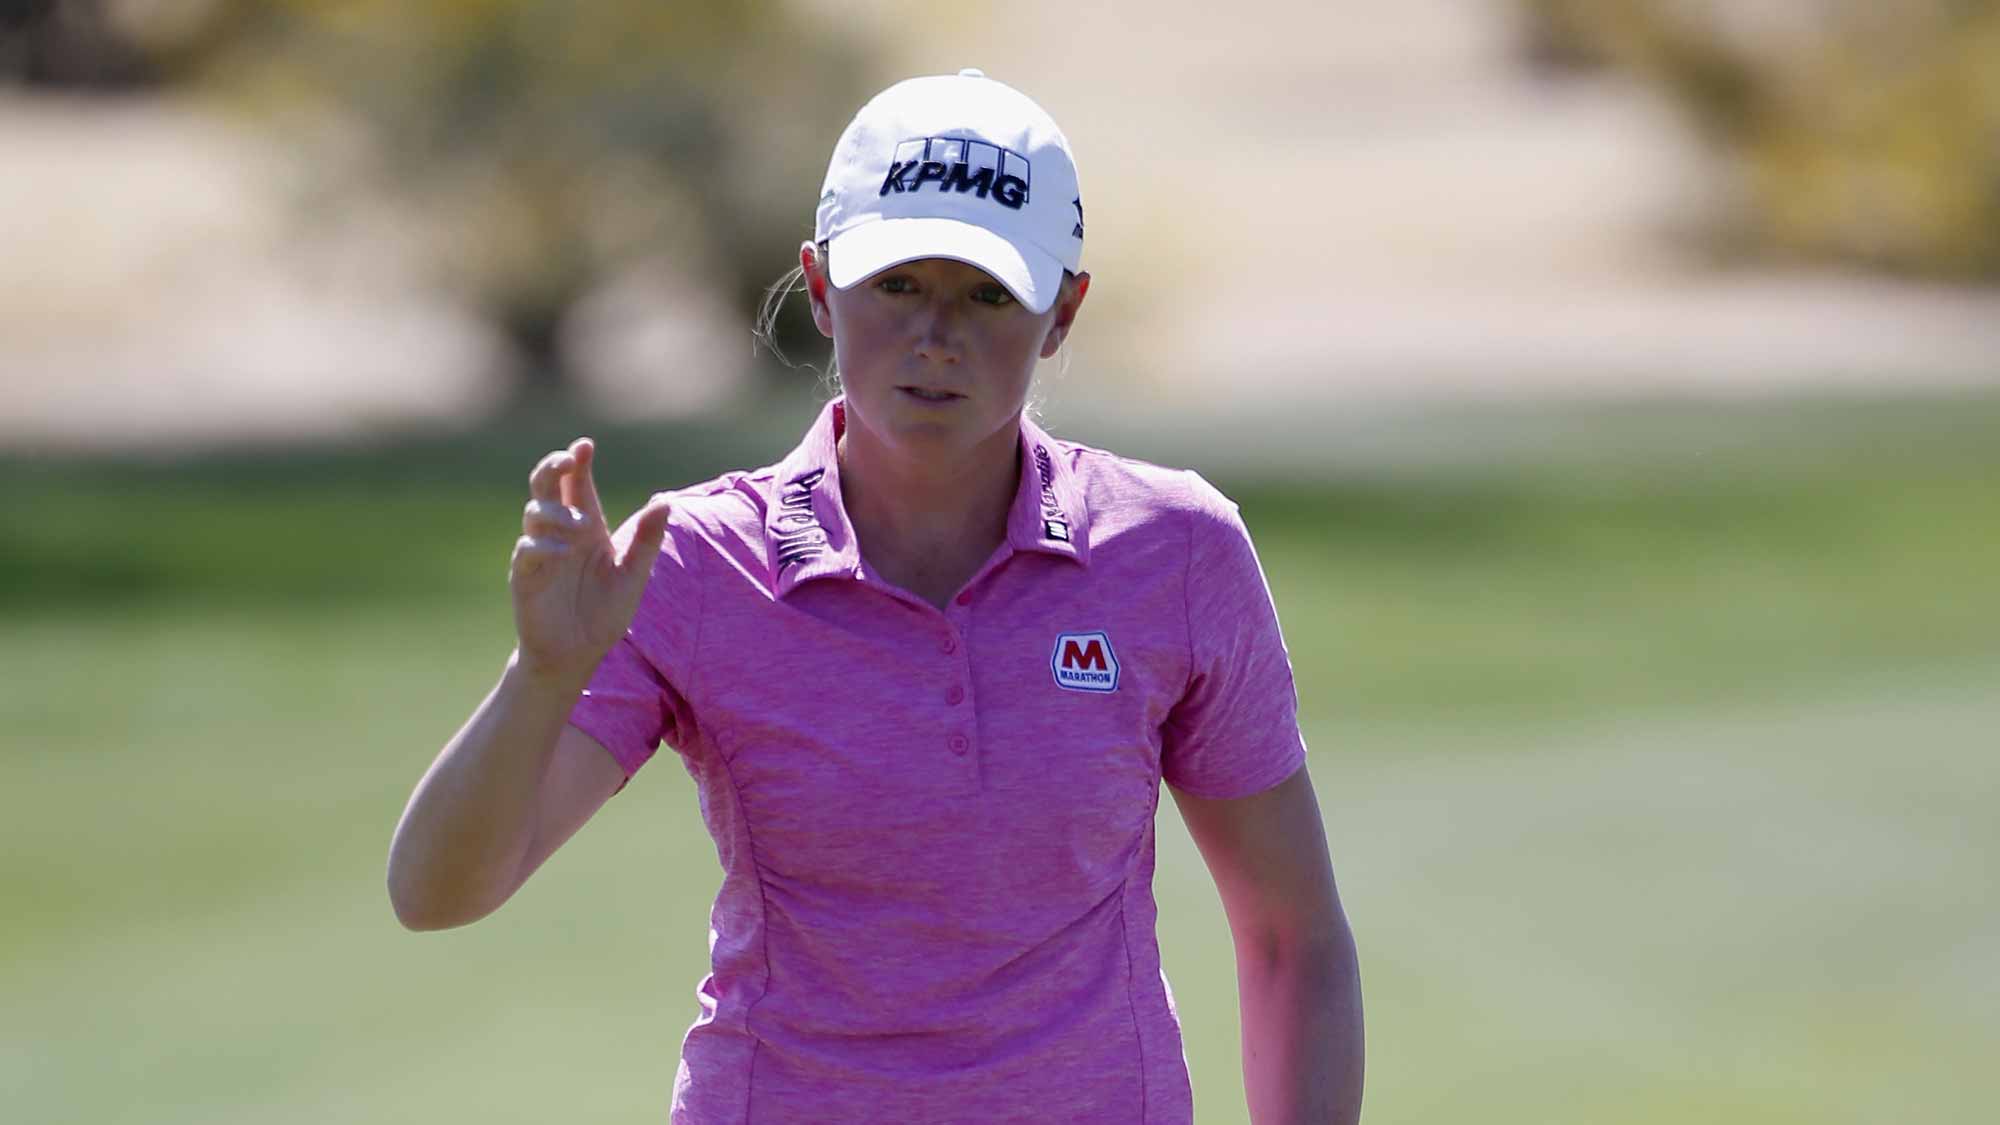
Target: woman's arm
<point>1296,971</point>
<point>516,780</point>
<point>510,787</point>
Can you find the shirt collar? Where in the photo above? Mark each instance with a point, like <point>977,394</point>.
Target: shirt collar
<point>807,535</point>
<point>806,532</point>
<point>1048,513</point>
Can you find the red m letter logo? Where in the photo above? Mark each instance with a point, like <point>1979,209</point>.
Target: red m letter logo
<point>1075,656</point>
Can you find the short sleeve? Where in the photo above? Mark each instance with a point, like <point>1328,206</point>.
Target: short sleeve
<point>637,698</point>
<point>1235,731</point>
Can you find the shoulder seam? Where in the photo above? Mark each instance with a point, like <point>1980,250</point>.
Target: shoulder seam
<point>713,487</point>
<point>1076,447</point>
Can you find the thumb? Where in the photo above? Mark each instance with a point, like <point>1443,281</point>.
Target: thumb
<point>649,528</point>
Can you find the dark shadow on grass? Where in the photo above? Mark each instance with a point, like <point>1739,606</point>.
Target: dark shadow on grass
<point>424,516</point>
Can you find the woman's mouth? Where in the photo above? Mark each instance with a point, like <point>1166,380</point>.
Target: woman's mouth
<point>926,394</point>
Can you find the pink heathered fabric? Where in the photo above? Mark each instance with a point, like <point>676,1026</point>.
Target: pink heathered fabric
<point>937,893</point>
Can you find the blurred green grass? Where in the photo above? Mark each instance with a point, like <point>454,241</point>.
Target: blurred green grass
<point>1660,783</point>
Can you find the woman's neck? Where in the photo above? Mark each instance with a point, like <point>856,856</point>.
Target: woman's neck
<point>925,515</point>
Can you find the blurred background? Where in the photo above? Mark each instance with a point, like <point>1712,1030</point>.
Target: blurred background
<point>1613,387</point>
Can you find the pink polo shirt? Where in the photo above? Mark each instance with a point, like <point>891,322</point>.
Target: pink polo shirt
<point>936,828</point>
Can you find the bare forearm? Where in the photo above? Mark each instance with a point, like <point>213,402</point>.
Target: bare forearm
<point>458,849</point>
<point>1302,1032</point>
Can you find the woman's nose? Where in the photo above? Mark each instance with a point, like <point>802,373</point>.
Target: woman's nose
<point>937,334</point>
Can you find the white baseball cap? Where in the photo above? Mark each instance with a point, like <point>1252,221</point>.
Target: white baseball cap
<point>954,166</point>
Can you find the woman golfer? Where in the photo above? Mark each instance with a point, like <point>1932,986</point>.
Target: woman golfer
<point>928,672</point>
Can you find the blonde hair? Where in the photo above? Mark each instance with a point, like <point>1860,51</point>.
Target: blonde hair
<point>764,330</point>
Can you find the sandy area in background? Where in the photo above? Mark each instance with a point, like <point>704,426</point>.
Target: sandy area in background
<point>1334,203</point>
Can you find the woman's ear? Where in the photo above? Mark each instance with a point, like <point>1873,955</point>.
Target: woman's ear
<point>1068,301</point>
<point>812,265</point>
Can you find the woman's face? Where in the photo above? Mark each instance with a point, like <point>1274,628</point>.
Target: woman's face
<point>935,355</point>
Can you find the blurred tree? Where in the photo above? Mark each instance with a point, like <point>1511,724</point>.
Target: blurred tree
<point>1862,132</point>
<point>104,46</point>
<point>547,144</point>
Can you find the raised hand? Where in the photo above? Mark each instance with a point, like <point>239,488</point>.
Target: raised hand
<point>576,588</point>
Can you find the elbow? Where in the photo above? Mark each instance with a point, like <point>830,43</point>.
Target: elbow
<point>415,913</point>
<point>1322,950</point>
<point>417,919</point>
<point>420,915</point>
<point>420,908</point>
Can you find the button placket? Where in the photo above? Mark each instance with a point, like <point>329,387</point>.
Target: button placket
<point>956,693</point>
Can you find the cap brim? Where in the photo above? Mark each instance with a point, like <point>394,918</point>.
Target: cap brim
<point>859,252</point>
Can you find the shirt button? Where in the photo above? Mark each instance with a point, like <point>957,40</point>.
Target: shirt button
<point>965,598</point>
<point>958,744</point>
<point>955,696</point>
<point>950,644</point>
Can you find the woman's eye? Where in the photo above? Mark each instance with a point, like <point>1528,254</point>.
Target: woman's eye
<point>896,284</point>
<point>992,295</point>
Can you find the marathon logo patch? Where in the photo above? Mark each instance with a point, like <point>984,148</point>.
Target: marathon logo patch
<point>1085,662</point>
<point>960,165</point>
<point>800,536</point>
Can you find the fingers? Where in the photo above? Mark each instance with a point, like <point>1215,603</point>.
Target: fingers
<point>649,528</point>
<point>563,479</point>
<point>533,555</point>
<point>545,482</point>
<point>542,519</point>
<point>579,488</point>
<point>550,526</point>
<point>563,506</point>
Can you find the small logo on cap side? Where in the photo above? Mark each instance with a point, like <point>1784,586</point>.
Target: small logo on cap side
<point>960,165</point>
